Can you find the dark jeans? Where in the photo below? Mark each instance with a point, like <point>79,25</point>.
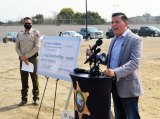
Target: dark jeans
<point>24,80</point>
<point>125,108</point>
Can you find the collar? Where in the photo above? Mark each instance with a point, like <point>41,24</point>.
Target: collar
<point>126,32</point>
<point>29,32</point>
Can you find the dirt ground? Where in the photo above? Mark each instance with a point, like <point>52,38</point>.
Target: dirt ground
<point>10,84</point>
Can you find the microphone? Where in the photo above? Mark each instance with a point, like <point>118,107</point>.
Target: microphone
<point>98,43</point>
<point>90,58</point>
<point>102,58</point>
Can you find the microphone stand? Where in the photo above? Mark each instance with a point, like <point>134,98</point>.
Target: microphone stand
<point>90,62</point>
<point>94,60</point>
<point>94,70</point>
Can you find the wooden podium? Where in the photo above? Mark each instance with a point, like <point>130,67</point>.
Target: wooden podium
<point>92,96</point>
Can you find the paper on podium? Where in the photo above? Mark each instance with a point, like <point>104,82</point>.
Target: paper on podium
<point>28,68</point>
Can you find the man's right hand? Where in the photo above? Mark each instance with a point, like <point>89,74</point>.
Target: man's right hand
<point>24,59</point>
<point>88,51</point>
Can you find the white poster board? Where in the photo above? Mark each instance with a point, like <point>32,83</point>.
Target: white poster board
<point>67,115</point>
<point>58,56</point>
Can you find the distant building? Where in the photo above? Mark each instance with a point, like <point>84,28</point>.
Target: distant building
<point>144,20</point>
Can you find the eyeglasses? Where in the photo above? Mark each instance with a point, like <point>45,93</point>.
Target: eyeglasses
<point>27,23</point>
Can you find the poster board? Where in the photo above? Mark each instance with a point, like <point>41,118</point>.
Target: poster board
<point>58,56</point>
<point>67,115</point>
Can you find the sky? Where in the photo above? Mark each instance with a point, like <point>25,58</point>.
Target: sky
<point>17,9</point>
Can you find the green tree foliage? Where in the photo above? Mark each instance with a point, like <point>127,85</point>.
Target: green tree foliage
<point>93,18</point>
<point>67,16</point>
<point>38,19</point>
<point>66,13</point>
<point>78,17</point>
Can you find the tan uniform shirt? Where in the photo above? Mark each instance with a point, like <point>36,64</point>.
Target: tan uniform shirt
<point>28,43</point>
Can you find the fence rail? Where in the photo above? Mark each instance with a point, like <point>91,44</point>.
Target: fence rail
<point>74,21</point>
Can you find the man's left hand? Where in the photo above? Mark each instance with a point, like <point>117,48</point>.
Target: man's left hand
<point>109,72</point>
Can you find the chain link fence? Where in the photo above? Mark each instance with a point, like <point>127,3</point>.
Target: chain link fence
<point>77,21</point>
<point>56,21</point>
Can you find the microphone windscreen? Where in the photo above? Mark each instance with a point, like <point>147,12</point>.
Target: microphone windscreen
<point>99,42</point>
<point>102,58</point>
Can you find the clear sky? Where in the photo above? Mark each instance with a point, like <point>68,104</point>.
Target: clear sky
<point>17,9</point>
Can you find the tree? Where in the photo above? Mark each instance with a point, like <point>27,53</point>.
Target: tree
<point>78,18</point>
<point>94,18</point>
<point>67,14</point>
<point>38,19</point>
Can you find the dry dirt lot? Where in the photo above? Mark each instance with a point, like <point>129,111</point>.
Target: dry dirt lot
<point>10,84</point>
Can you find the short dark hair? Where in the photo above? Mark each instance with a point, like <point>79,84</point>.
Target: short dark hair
<point>27,18</point>
<point>123,16</point>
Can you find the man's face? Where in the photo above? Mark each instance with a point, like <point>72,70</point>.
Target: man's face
<point>118,25</point>
<point>27,24</point>
<point>28,21</point>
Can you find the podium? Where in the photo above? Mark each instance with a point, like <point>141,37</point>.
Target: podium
<point>92,96</point>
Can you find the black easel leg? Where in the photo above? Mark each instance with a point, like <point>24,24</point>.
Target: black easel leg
<point>42,97</point>
<point>55,98</point>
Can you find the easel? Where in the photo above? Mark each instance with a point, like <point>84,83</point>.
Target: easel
<point>43,97</point>
<point>67,102</point>
<point>69,96</point>
<point>58,63</point>
<point>67,115</point>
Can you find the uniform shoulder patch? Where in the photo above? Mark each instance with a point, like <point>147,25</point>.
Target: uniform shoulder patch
<point>36,33</point>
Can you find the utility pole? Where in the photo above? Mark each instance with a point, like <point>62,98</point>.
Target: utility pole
<point>115,7</point>
<point>86,22</point>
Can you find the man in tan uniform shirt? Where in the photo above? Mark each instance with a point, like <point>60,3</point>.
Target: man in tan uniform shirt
<point>27,47</point>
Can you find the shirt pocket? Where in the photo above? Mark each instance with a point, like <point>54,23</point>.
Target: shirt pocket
<point>32,37</point>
